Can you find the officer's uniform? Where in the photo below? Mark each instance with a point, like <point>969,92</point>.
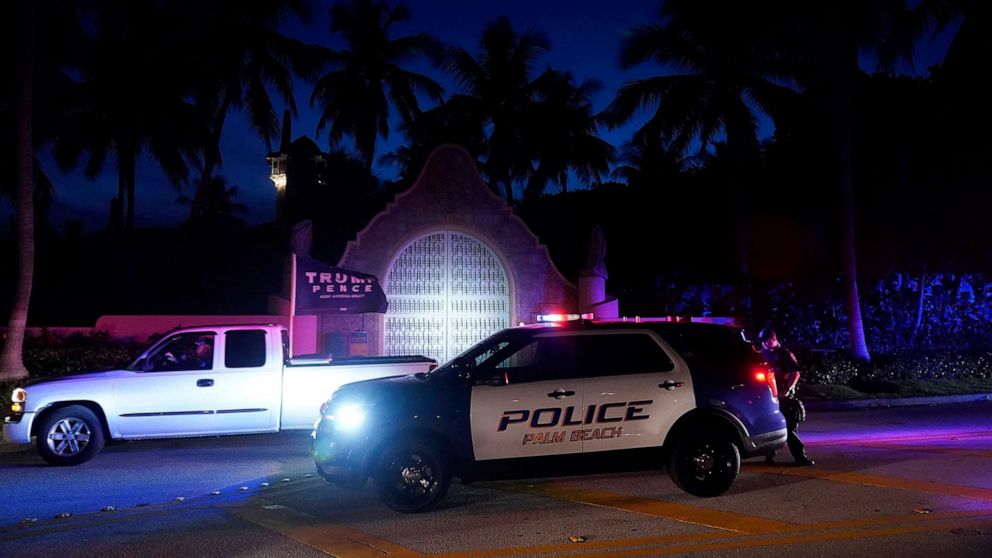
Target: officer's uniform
<point>783,363</point>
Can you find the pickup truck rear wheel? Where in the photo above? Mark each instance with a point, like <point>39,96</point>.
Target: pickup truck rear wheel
<point>704,463</point>
<point>412,476</point>
<point>70,436</point>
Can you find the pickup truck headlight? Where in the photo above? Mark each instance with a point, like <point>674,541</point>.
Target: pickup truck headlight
<point>348,416</point>
<point>17,399</point>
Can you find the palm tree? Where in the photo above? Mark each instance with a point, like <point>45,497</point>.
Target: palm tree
<point>44,44</point>
<point>832,39</point>
<point>645,163</point>
<point>11,362</point>
<point>565,133</point>
<point>438,126</point>
<point>242,54</point>
<point>498,92</point>
<point>215,203</point>
<point>135,96</point>
<point>368,76</point>
<point>726,73</point>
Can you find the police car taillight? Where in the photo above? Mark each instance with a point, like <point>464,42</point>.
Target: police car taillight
<point>557,318</point>
<point>766,376</point>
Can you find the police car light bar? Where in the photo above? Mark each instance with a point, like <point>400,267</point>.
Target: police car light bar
<point>563,317</point>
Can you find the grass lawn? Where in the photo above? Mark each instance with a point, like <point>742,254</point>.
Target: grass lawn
<point>897,388</point>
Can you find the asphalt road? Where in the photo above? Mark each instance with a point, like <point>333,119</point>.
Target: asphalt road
<point>912,481</point>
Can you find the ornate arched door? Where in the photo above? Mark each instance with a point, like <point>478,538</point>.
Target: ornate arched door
<point>446,291</point>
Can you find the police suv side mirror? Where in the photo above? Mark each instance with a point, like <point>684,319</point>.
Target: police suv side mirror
<point>463,367</point>
<point>493,378</point>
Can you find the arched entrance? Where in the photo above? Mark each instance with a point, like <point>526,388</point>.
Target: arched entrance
<point>447,290</point>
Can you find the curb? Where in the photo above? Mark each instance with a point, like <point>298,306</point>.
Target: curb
<point>854,404</point>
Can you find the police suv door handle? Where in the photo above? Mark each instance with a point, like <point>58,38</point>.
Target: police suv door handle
<point>206,382</point>
<point>670,385</point>
<point>559,393</point>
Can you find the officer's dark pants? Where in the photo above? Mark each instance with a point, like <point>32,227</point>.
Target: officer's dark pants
<point>796,446</point>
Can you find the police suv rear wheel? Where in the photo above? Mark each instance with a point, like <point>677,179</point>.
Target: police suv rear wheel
<point>412,476</point>
<point>704,464</point>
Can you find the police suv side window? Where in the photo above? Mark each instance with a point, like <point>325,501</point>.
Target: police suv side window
<point>622,353</point>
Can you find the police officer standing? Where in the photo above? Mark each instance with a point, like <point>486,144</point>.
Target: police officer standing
<point>783,363</point>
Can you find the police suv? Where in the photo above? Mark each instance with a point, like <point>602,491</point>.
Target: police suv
<point>695,393</point>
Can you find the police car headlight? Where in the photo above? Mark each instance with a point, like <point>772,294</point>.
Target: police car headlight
<point>349,416</point>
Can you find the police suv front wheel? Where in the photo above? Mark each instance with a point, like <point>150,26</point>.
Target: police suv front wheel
<point>412,476</point>
<point>704,464</point>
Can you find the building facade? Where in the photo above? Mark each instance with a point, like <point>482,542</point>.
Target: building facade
<point>456,265</point>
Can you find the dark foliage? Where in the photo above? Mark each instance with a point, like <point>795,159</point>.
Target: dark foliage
<point>877,376</point>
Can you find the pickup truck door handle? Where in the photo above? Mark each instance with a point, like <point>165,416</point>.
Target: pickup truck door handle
<point>559,393</point>
<point>670,385</point>
<point>206,382</point>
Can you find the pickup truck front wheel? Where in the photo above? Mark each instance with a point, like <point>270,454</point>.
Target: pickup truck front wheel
<point>704,463</point>
<point>412,476</point>
<point>69,436</point>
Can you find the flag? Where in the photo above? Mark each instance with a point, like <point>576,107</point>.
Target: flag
<point>323,289</point>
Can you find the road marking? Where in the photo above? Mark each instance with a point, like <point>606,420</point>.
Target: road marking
<point>945,450</point>
<point>920,437</point>
<point>791,539</point>
<point>715,519</point>
<point>590,545</point>
<point>889,519</point>
<point>81,521</point>
<point>915,443</point>
<point>705,541</point>
<point>335,540</point>
<point>864,479</point>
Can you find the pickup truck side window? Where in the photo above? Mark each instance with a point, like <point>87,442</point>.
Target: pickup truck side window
<point>244,348</point>
<point>619,354</point>
<point>186,351</point>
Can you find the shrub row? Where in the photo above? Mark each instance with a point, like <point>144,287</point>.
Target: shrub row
<point>900,312</point>
<point>838,368</point>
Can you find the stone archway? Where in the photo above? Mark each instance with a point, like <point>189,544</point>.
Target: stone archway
<point>447,290</point>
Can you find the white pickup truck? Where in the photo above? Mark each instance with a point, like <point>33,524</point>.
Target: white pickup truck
<point>196,381</point>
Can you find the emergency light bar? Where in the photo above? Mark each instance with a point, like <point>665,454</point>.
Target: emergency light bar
<point>563,317</point>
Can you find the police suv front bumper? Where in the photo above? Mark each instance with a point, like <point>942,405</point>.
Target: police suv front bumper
<point>339,459</point>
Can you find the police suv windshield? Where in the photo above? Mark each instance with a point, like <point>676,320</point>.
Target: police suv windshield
<point>488,353</point>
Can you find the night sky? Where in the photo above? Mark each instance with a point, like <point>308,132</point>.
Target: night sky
<point>584,36</point>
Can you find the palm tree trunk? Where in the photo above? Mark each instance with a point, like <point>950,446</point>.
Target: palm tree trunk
<point>855,325</point>
<point>11,360</point>
<point>843,121</point>
<point>211,159</point>
<point>918,321</point>
<point>126,160</point>
<point>130,196</point>
<point>117,209</point>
